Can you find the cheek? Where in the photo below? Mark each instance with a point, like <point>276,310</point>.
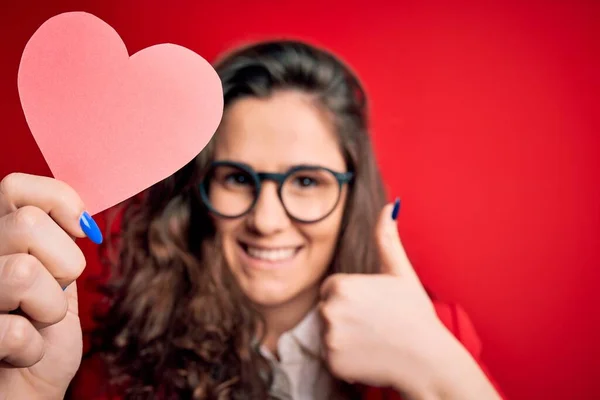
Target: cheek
<point>226,230</point>
<point>323,239</point>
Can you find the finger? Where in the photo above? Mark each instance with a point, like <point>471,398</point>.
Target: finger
<point>21,345</point>
<point>394,260</point>
<point>324,316</point>
<point>324,327</point>
<point>72,298</point>
<point>54,197</point>
<point>30,230</point>
<point>327,286</point>
<point>333,284</point>
<point>26,284</point>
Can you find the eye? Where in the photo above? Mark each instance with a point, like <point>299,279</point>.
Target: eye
<point>237,178</point>
<point>305,181</point>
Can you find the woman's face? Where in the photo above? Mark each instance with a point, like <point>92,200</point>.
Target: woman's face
<point>274,258</point>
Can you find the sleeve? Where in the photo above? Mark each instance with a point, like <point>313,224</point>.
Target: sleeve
<point>91,382</point>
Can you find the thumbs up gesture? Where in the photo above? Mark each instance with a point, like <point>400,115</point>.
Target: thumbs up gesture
<point>381,330</point>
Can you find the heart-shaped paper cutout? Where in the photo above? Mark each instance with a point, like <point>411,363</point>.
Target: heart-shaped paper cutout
<point>108,124</point>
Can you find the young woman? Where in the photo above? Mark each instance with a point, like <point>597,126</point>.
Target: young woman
<point>268,267</point>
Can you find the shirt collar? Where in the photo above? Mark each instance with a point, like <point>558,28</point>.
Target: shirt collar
<point>308,333</point>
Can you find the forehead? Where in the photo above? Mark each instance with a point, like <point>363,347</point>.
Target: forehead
<point>277,132</point>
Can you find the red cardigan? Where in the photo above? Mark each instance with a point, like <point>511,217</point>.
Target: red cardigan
<point>90,382</point>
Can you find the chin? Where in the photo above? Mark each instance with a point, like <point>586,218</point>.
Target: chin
<point>269,294</point>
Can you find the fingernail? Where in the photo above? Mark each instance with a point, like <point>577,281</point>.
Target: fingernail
<point>90,228</point>
<point>396,209</point>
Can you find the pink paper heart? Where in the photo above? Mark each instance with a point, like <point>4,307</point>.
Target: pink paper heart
<point>108,124</point>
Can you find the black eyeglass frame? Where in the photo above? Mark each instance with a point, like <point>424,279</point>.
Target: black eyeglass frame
<point>342,179</point>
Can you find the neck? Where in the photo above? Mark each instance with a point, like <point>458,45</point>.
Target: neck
<point>284,317</point>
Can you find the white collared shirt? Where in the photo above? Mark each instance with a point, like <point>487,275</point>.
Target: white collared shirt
<point>301,373</point>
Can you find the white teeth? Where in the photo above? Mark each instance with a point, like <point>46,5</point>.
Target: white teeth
<point>271,255</point>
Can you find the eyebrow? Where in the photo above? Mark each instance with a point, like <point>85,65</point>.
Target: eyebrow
<point>282,170</point>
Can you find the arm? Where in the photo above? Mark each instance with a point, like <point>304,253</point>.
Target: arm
<point>459,372</point>
<point>458,376</point>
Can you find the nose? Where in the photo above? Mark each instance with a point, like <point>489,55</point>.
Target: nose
<point>268,215</point>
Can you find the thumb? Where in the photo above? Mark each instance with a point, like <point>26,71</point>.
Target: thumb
<point>394,260</point>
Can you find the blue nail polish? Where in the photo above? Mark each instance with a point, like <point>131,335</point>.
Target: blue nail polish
<point>90,228</point>
<point>396,209</point>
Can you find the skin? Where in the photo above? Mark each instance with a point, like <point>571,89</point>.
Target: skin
<point>273,135</point>
<point>288,129</point>
<point>39,216</point>
<point>405,346</point>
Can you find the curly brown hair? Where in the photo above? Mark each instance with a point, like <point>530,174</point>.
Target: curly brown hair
<point>176,323</point>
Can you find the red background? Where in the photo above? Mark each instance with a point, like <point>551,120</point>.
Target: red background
<point>485,121</point>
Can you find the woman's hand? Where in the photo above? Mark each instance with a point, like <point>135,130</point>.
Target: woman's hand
<point>41,343</point>
<point>382,330</point>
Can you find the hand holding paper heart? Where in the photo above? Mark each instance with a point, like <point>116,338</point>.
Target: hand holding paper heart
<point>108,124</point>
<point>382,330</point>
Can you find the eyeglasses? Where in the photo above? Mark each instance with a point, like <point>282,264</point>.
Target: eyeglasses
<point>308,193</point>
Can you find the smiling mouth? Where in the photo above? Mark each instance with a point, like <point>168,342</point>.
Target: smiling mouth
<point>271,254</point>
